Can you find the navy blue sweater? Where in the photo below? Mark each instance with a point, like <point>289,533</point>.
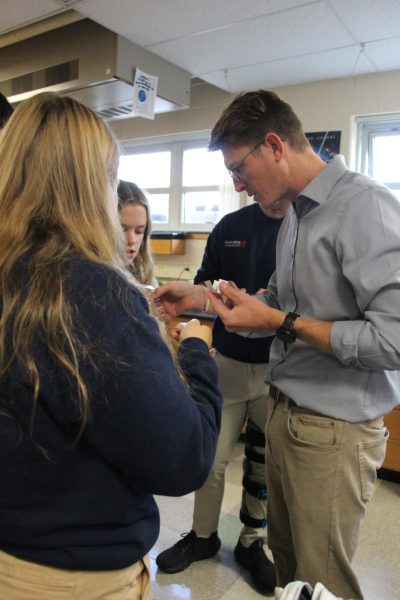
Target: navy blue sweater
<point>90,507</point>
<point>241,248</point>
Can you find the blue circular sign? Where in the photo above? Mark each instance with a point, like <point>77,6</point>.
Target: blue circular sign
<point>142,96</point>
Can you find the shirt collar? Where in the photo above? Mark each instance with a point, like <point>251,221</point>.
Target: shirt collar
<point>321,186</point>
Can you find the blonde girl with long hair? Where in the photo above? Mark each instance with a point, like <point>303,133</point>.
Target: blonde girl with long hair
<point>134,214</point>
<point>94,418</point>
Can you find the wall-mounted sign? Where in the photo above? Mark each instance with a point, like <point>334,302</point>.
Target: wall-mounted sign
<point>325,143</point>
<point>144,94</point>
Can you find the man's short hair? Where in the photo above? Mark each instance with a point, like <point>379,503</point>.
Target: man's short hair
<point>253,114</point>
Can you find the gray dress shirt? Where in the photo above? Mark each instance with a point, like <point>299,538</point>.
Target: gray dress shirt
<point>338,260</point>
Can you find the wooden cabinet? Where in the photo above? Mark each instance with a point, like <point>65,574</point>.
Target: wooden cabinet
<point>392,459</point>
<point>167,246</point>
<point>168,242</point>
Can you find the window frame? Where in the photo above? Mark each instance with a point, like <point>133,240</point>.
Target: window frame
<point>369,127</point>
<point>176,146</point>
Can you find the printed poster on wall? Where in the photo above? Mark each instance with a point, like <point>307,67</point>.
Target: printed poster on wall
<point>144,94</point>
<point>325,143</point>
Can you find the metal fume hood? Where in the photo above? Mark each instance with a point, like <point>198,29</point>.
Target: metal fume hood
<point>93,65</point>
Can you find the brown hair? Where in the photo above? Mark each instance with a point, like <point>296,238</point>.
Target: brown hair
<point>253,114</point>
<point>142,266</point>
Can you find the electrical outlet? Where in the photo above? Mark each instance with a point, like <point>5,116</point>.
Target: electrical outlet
<point>168,271</point>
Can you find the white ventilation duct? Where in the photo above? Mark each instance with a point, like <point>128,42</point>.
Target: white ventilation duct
<point>93,65</point>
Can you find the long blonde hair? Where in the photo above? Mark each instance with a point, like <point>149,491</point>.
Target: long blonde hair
<point>58,165</point>
<point>142,267</point>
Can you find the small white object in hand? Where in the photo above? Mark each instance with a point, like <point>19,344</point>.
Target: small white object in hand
<point>214,287</point>
<point>217,283</point>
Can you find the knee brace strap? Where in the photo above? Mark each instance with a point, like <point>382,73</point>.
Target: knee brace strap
<point>251,522</point>
<point>255,489</point>
<point>254,456</point>
<point>254,437</point>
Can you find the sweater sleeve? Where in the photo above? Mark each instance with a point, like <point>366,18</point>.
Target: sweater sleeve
<point>158,430</point>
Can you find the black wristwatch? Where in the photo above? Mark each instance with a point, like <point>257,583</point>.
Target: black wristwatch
<point>286,332</point>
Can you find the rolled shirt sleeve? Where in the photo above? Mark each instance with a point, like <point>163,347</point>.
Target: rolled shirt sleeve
<point>368,248</point>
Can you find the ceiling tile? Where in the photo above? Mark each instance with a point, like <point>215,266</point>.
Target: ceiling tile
<point>385,54</point>
<point>266,38</point>
<point>369,19</point>
<point>324,65</point>
<point>153,21</point>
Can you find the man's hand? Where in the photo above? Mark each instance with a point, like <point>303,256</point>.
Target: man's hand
<point>241,312</point>
<point>175,298</point>
<point>249,314</point>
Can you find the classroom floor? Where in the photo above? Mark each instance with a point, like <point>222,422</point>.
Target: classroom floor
<point>220,578</point>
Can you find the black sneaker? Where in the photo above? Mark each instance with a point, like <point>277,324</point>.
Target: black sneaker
<point>190,548</point>
<point>261,568</point>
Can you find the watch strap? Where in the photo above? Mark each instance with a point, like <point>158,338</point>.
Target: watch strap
<point>290,318</point>
<point>286,331</point>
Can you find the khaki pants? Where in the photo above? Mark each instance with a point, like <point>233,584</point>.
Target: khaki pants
<point>245,395</point>
<point>22,580</point>
<point>320,476</point>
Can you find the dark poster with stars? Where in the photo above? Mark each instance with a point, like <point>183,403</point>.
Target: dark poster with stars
<point>325,143</point>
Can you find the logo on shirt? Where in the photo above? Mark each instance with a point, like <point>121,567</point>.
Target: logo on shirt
<point>235,243</point>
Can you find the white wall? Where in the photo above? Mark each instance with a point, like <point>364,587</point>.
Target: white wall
<point>322,106</point>
<point>171,267</point>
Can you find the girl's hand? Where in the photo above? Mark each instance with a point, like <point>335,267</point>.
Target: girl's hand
<point>194,329</point>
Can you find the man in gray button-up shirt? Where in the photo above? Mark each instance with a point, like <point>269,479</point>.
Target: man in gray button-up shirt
<point>339,262</point>
<point>333,304</point>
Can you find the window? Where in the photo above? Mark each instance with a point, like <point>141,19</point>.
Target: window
<point>201,174</point>
<point>151,171</point>
<point>379,148</point>
<point>184,182</point>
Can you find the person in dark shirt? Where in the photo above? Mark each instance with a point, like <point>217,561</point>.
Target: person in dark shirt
<point>240,248</point>
<point>94,416</point>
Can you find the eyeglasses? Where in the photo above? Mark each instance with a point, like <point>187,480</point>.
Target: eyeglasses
<point>233,172</point>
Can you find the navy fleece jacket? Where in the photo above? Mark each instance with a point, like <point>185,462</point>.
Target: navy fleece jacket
<point>90,506</point>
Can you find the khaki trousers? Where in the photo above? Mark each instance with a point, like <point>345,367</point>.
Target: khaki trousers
<point>245,395</point>
<point>22,580</point>
<point>320,477</point>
